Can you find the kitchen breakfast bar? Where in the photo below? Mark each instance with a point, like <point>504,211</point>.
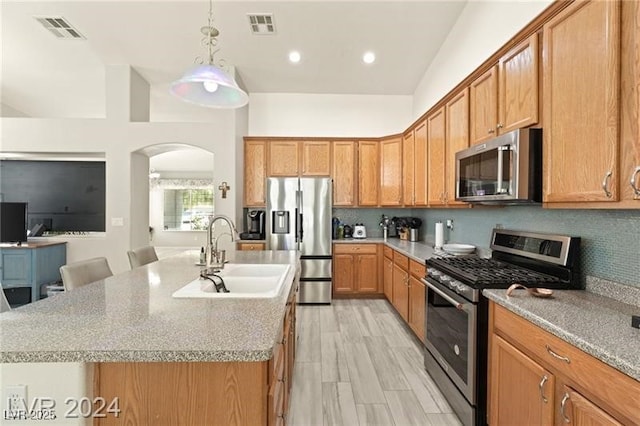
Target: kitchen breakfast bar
<point>165,359</point>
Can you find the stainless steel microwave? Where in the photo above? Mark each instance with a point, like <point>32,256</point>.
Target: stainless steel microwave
<point>504,170</point>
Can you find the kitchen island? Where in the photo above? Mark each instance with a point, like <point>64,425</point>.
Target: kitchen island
<point>191,361</point>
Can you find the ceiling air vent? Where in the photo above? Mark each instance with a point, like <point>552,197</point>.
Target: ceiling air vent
<point>59,27</point>
<point>262,23</point>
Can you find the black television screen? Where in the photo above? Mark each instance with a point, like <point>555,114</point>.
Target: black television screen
<point>62,195</point>
<point>13,222</point>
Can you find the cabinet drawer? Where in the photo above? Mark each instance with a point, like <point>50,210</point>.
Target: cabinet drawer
<point>250,246</point>
<point>401,260</point>
<point>590,376</point>
<point>355,248</point>
<point>416,269</point>
<point>388,252</point>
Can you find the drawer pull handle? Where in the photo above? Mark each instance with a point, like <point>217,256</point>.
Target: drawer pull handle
<point>563,404</point>
<point>605,184</point>
<point>555,355</point>
<point>542,382</point>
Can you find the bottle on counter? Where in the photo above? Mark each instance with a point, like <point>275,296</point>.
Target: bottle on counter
<point>340,234</point>
<point>203,256</point>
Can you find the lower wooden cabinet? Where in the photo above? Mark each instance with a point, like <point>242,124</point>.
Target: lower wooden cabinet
<point>355,269</point>
<point>400,298</point>
<point>387,278</point>
<point>533,403</point>
<point>417,301</point>
<point>250,246</point>
<point>538,378</point>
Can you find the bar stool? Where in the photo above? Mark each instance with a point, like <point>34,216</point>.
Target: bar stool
<point>77,274</point>
<point>141,256</point>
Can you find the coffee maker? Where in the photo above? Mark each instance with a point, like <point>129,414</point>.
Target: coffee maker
<point>255,225</point>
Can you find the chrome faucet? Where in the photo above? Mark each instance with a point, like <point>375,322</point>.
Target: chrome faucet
<point>212,243</point>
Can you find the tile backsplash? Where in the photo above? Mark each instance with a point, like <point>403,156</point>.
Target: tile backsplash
<point>610,238</point>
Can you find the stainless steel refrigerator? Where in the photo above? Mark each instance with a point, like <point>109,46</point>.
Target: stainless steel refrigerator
<point>299,218</point>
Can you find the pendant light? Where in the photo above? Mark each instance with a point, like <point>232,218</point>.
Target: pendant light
<point>207,84</point>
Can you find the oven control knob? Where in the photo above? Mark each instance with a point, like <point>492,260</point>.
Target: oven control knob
<point>433,272</point>
<point>445,278</point>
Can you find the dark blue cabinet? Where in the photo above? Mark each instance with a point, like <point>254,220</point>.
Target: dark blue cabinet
<point>31,265</point>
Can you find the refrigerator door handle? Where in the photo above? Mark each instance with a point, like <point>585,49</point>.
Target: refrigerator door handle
<point>300,230</point>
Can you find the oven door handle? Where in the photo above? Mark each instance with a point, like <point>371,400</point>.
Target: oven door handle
<point>444,295</point>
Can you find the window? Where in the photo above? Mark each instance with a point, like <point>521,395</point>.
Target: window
<point>186,203</point>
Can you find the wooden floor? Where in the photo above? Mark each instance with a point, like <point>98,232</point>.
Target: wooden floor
<point>358,364</point>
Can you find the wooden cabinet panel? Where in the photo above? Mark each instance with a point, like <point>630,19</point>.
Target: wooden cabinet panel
<point>484,106</point>
<point>408,169</point>
<point>436,157</point>
<point>367,265</point>
<point>417,293</point>
<point>284,158</point>
<point>630,104</point>
<point>344,171</point>
<point>570,365</point>
<point>421,175</point>
<point>344,274</point>
<point>511,370</point>
<point>457,139</point>
<point>255,173</point>
<point>401,260</point>
<point>391,172</point>
<point>401,291</point>
<point>316,158</point>
<point>579,411</point>
<point>368,173</point>
<point>388,278</point>
<point>251,246</point>
<point>388,252</point>
<point>355,268</point>
<point>581,115</point>
<point>417,269</point>
<point>518,91</point>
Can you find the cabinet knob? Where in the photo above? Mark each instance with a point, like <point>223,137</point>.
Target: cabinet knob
<point>492,131</point>
<point>499,126</point>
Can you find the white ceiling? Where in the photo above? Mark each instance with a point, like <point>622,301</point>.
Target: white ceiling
<point>48,77</point>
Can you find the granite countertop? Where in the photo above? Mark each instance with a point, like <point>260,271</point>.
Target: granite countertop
<point>417,250</point>
<point>599,325</point>
<point>133,317</point>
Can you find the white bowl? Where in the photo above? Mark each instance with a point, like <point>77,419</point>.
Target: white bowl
<point>459,248</point>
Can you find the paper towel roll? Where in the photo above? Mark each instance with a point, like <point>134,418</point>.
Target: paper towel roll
<point>439,234</point>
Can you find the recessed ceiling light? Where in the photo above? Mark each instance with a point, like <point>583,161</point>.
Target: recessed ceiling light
<point>369,57</point>
<point>294,56</point>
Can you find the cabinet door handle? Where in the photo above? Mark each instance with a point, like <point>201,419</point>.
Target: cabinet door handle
<point>563,405</point>
<point>555,355</point>
<point>499,126</point>
<point>636,190</point>
<point>605,184</point>
<point>541,386</point>
<point>491,131</point>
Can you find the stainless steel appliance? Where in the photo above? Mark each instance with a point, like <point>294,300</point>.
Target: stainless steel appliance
<point>299,218</point>
<point>255,225</point>
<point>456,319</point>
<point>504,170</point>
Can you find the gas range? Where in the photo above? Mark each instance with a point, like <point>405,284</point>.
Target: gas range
<point>456,339</point>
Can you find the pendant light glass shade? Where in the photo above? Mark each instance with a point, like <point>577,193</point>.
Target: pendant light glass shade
<point>210,86</point>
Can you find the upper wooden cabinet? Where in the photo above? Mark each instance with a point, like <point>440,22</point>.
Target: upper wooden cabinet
<point>368,172</point>
<point>420,174</point>
<point>255,173</point>
<point>284,158</point>
<point>344,171</point>
<point>316,158</point>
<point>581,112</point>
<point>506,96</point>
<point>484,106</point>
<point>457,139</point>
<point>436,157</point>
<point>518,88</point>
<point>408,169</point>
<point>391,171</point>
